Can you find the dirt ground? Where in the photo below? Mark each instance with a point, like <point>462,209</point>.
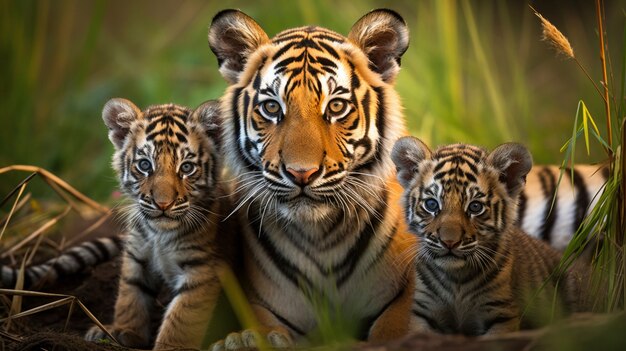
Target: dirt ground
<point>96,289</point>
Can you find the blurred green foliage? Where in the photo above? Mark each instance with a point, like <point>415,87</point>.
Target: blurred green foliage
<point>475,71</point>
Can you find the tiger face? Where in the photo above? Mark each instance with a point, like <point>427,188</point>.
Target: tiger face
<point>310,114</point>
<point>167,161</point>
<point>460,199</point>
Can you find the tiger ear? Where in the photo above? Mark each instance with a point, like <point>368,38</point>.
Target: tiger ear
<point>207,115</point>
<point>407,153</point>
<point>233,36</point>
<point>384,37</point>
<point>118,115</point>
<point>513,161</point>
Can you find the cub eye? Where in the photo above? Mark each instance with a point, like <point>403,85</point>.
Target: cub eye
<point>144,165</point>
<point>431,205</point>
<point>336,107</point>
<point>475,208</point>
<point>188,168</point>
<point>271,109</point>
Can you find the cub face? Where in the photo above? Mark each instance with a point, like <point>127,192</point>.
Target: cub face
<point>167,161</point>
<point>459,200</point>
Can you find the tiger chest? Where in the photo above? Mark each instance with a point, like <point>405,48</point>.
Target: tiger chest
<point>457,309</point>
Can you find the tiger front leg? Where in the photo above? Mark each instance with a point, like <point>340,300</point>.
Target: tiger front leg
<point>271,333</point>
<point>504,324</point>
<point>188,314</point>
<point>393,322</point>
<point>133,307</point>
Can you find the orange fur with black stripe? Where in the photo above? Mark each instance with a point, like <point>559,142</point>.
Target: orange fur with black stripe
<point>310,118</point>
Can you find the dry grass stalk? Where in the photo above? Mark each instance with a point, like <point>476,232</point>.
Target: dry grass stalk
<point>13,209</point>
<point>63,300</point>
<point>60,183</point>
<point>605,82</point>
<point>36,233</point>
<point>553,35</point>
<point>18,207</point>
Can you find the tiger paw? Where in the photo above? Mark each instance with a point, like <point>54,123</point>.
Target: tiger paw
<point>126,337</point>
<point>277,338</point>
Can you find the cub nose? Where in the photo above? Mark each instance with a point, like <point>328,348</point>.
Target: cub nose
<point>303,176</point>
<point>451,244</point>
<point>164,205</point>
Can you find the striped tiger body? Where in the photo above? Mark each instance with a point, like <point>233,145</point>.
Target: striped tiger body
<point>309,118</point>
<point>556,220</point>
<point>476,271</point>
<point>168,161</point>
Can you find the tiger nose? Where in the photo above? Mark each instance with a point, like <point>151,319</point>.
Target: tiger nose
<point>164,205</point>
<point>451,244</point>
<point>303,176</point>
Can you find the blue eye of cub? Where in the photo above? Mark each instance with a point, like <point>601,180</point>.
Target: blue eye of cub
<point>431,205</point>
<point>475,208</point>
<point>187,167</point>
<point>144,165</point>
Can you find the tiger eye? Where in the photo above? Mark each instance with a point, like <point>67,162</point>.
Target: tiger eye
<point>336,106</point>
<point>431,205</point>
<point>187,168</point>
<point>271,107</point>
<point>144,165</point>
<point>475,207</point>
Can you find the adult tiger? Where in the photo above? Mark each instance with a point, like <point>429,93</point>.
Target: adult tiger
<point>310,117</point>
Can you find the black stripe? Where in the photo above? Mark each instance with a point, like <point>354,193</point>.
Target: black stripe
<point>497,320</point>
<point>431,322</point>
<point>260,301</point>
<point>79,259</point>
<point>521,209</point>
<point>237,126</point>
<point>284,321</point>
<point>193,262</point>
<point>365,237</point>
<point>142,286</point>
<point>104,251</point>
<point>141,262</point>
<point>93,252</point>
<point>582,198</point>
<point>287,268</point>
<point>498,303</point>
<point>548,185</point>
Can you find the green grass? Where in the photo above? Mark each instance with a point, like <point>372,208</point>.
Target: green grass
<point>471,73</point>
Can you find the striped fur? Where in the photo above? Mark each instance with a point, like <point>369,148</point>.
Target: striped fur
<point>556,221</point>
<point>74,260</point>
<point>168,162</point>
<point>476,272</point>
<point>309,118</point>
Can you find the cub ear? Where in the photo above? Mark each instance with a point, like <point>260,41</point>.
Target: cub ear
<point>208,116</point>
<point>118,115</point>
<point>513,161</point>
<point>233,36</point>
<point>384,37</point>
<point>407,153</point>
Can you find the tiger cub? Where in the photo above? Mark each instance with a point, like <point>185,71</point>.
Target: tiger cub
<point>476,272</point>
<point>168,161</point>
